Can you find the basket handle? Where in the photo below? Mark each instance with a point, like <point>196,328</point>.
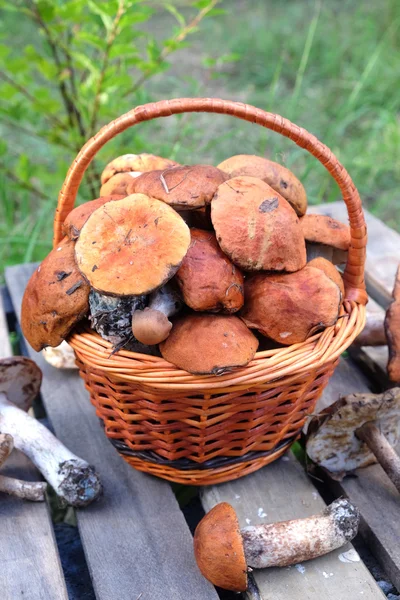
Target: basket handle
<point>354,273</point>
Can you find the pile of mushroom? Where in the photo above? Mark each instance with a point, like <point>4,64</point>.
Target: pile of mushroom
<point>170,259</point>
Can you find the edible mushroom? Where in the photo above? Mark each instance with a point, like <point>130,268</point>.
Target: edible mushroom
<point>77,218</point>
<point>132,246</point>
<point>207,279</point>
<point>151,325</point>
<point>392,331</point>
<point>256,227</point>
<point>71,477</point>
<point>118,184</point>
<point>356,431</point>
<point>224,552</point>
<point>135,163</point>
<point>330,271</point>
<point>325,237</point>
<point>278,177</point>
<point>26,490</point>
<point>205,344</point>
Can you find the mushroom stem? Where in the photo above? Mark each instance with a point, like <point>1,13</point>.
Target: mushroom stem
<point>151,325</point>
<point>291,542</point>
<point>26,490</point>
<point>71,477</point>
<point>386,456</point>
<point>373,333</point>
<point>319,250</point>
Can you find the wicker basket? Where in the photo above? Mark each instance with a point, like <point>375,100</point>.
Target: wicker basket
<point>207,429</point>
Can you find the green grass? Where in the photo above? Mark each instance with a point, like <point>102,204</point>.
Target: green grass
<point>332,67</point>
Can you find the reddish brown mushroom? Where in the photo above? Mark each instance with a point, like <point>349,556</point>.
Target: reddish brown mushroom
<point>207,279</point>
<point>325,237</point>
<point>224,552</point>
<point>392,330</point>
<point>137,163</point>
<point>329,269</point>
<point>78,217</point>
<point>119,184</point>
<point>256,227</point>
<point>209,344</point>
<point>132,246</point>
<point>278,177</point>
<point>183,188</point>
<point>55,299</point>
<point>288,308</point>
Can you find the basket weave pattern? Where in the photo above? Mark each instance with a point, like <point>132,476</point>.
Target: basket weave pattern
<point>207,429</point>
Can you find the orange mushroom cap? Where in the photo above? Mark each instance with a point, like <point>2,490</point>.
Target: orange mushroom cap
<point>135,162</point>
<point>218,549</point>
<point>256,227</point>
<point>132,246</point>
<point>321,229</point>
<point>278,177</point>
<point>209,343</point>
<point>119,184</point>
<point>207,279</point>
<point>329,269</point>
<point>78,217</point>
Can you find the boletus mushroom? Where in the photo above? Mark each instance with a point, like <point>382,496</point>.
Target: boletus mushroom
<point>207,279</point>
<point>132,246</point>
<point>55,299</point>
<point>77,218</point>
<point>325,237</point>
<point>392,331</point>
<point>151,325</point>
<point>290,307</point>
<point>203,344</point>
<point>135,163</point>
<point>26,490</point>
<point>330,271</point>
<point>71,477</point>
<point>278,177</point>
<point>256,227</point>
<point>183,188</point>
<point>224,552</point>
<point>356,431</point>
<point>119,184</point>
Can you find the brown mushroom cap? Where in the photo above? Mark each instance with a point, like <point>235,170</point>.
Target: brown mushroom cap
<point>209,343</point>
<point>187,187</point>
<point>20,380</point>
<point>256,227</point>
<point>278,177</point>
<point>332,441</point>
<point>392,332</point>
<point>329,269</point>
<point>132,246</point>
<point>288,308</point>
<point>321,229</point>
<point>78,217</point>
<point>150,326</point>
<point>55,299</point>
<point>207,279</point>
<point>119,184</point>
<point>218,549</point>
<point>135,162</point>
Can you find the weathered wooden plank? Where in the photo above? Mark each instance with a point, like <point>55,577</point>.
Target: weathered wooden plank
<point>29,562</point>
<point>282,491</point>
<point>135,537</point>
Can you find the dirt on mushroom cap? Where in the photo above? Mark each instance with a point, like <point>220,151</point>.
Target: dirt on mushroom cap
<point>78,217</point>
<point>205,343</point>
<point>188,187</point>
<point>290,307</point>
<point>256,227</point>
<point>55,299</point>
<point>321,229</point>
<point>278,177</point>
<point>135,162</point>
<point>132,246</point>
<point>207,279</point>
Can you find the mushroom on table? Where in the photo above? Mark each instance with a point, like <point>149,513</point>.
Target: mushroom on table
<point>71,477</point>
<point>325,237</point>
<point>224,552</point>
<point>26,490</point>
<point>356,431</point>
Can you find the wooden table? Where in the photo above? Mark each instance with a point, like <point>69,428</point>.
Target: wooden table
<point>136,540</point>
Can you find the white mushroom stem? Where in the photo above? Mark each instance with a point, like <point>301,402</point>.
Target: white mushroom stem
<point>151,325</point>
<point>382,450</point>
<point>292,542</point>
<point>71,477</point>
<point>27,490</point>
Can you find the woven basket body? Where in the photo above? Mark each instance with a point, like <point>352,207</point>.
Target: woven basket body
<point>208,429</point>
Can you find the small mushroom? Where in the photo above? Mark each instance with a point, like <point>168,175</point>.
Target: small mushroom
<point>356,431</point>
<point>330,271</point>
<point>60,357</point>
<point>132,246</point>
<point>278,177</point>
<point>71,477</point>
<point>151,325</point>
<point>256,227</point>
<point>183,188</point>
<point>224,552</point>
<point>204,344</point>
<point>55,299</point>
<point>137,163</point>
<point>77,218</point>
<point>120,184</point>
<point>290,307</point>
<point>26,490</point>
<point>325,237</point>
<point>207,279</point>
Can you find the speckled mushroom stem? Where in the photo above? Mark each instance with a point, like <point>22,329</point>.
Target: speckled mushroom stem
<point>71,477</point>
<point>387,457</point>
<point>291,542</point>
<point>26,490</point>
